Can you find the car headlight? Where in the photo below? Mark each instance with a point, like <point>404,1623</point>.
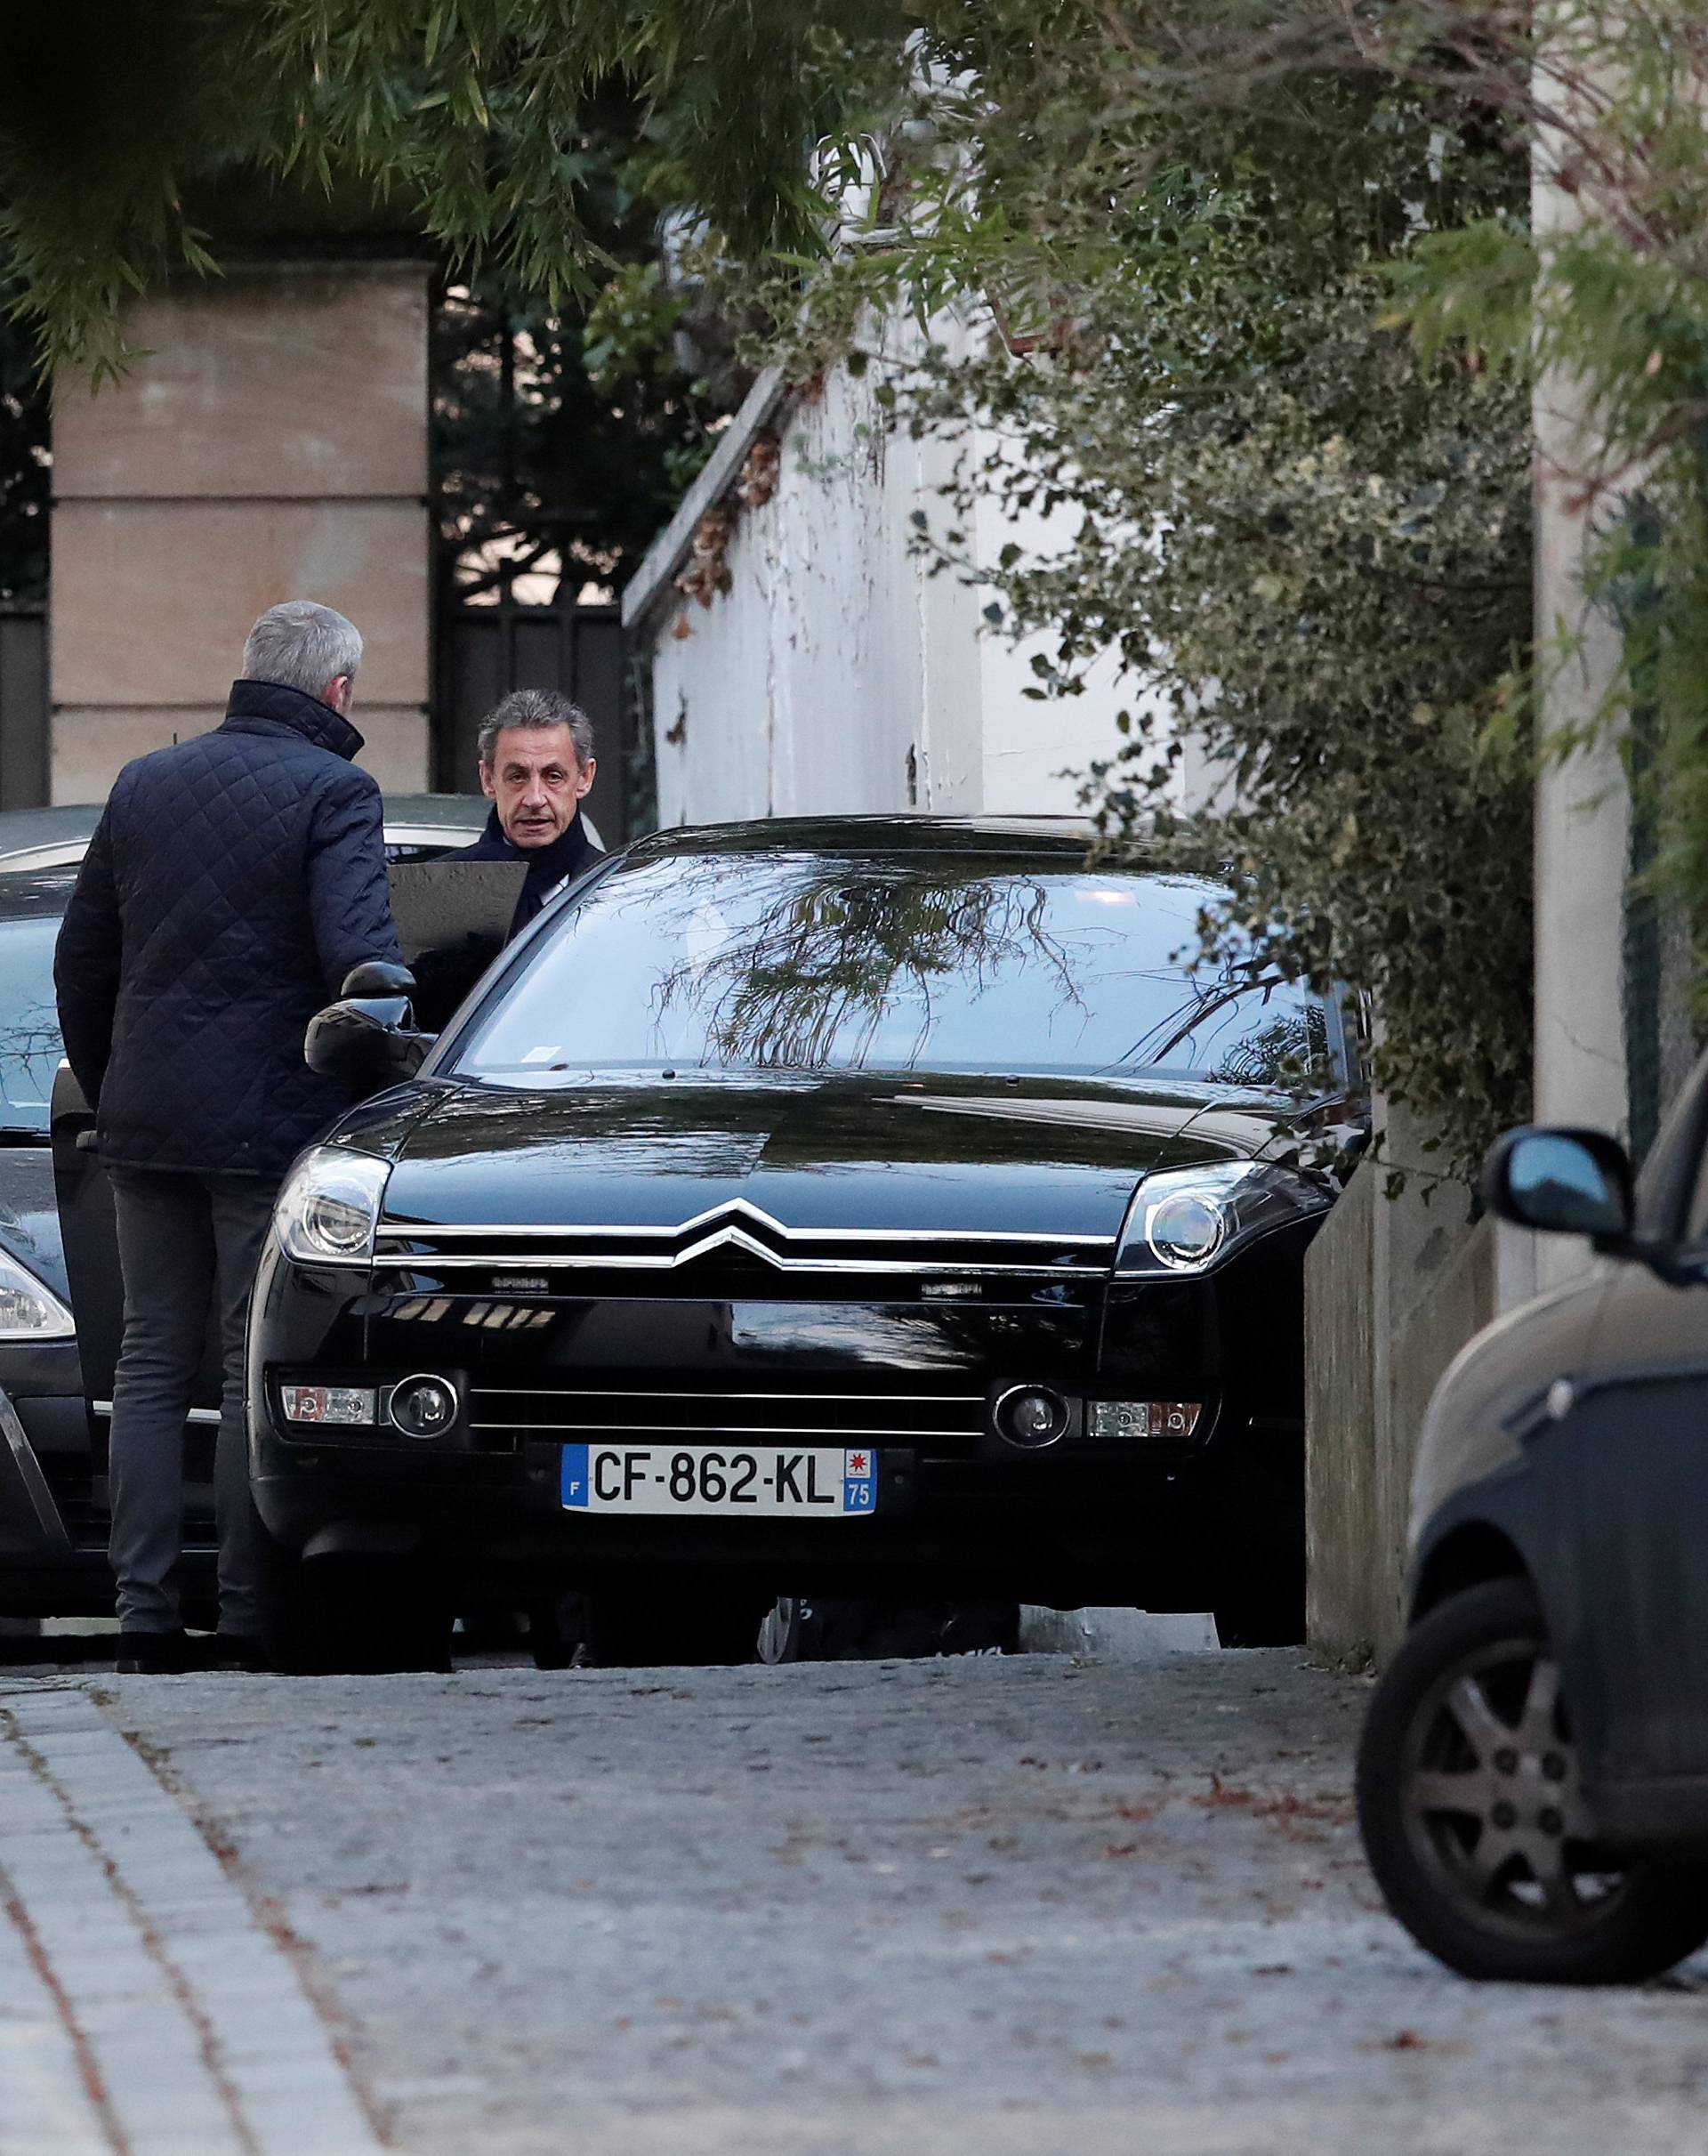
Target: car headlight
<point>330,1206</point>
<point>29,1310</point>
<point>1187,1219</point>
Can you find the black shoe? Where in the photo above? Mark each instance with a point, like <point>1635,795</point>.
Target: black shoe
<point>156,1654</point>
<point>240,1650</point>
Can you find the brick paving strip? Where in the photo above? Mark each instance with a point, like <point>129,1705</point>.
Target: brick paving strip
<point>144,2009</point>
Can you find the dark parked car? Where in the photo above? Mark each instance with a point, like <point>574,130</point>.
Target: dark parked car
<point>859,1206</point>
<point>52,1439</point>
<point>1534,1777</point>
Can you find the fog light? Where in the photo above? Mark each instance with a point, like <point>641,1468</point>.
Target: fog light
<point>328,1403</point>
<point>422,1406</point>
<point>1031,1417</point>
<point>1120,1418</point>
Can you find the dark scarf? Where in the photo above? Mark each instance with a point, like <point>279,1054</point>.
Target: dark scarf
<point>548,867</point>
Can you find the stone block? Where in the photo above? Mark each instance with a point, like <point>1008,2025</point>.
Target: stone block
<point>289,382</point>
<point>152,600</point>
<point>1394,1288</point>
<point>1342,1567</point>
<point>92,744</point>
<point>397,750</point>
<point>1460,1303</point>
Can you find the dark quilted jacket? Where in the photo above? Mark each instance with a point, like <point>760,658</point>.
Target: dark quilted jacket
<point>231,884</point>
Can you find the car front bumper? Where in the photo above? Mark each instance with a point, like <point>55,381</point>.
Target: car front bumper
<point>1084,1531</point>
<point>1170,1523</point>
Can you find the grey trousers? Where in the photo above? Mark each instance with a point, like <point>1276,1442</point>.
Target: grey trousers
<point>187,1244</point>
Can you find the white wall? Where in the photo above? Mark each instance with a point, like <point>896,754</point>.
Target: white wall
<point>1582,802</point>
<point>837,675</point>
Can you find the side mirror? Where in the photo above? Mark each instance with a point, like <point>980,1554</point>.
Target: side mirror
<point>1563,1181</point>
<point>377,977</point>
<point>367,1038</point>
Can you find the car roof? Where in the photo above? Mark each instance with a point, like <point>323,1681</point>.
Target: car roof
<point>49,838</point>
<point>1064,838</point>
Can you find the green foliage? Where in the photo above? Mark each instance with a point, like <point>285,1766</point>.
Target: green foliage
<point>549,443</point>
<point>1307,536</point>
<point>465,118</point>
<point>546,451</point>
<point>1607,305</point>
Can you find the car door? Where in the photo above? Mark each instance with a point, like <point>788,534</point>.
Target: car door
<point>1622,1488</point>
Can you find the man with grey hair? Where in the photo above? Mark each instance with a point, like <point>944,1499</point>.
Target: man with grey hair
<point>537,765</point>
<point>232,882</point>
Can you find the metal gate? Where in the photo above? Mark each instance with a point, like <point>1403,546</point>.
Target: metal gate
<point>485,650</point>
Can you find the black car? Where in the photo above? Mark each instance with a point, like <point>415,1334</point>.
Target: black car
<point>1534,1776</point>
<point>849,1206</point>
<point>55,1370</point>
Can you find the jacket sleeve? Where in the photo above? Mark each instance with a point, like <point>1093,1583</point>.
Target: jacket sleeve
<point>87,964</point>
<point>349,905</point>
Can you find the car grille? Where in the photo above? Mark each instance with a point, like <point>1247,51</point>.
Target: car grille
<point>768,1416</point>
<point>739,1237</point>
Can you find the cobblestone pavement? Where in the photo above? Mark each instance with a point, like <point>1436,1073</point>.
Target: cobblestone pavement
<point>990,1906</point>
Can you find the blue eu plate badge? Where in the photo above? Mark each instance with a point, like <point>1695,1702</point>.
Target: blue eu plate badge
<point>859,1481</point>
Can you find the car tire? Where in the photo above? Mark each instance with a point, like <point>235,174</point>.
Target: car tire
<point>557,1628</point>
<point>346,1616</point>
<point>1502,1878</point>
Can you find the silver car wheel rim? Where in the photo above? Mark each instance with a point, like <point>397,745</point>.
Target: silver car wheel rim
<point>1494,1802</point>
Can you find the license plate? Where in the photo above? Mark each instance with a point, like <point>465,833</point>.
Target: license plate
<point>820,1482</point>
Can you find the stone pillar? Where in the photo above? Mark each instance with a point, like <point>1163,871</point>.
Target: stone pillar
<point>270,443</point>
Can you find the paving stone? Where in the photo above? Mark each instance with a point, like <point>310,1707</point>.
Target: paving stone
<point>195,2022</point>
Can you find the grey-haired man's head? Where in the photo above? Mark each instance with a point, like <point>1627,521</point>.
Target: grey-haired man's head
<point>537,764</point>
<point>304,645</point>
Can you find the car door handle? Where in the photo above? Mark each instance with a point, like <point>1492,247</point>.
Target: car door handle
<point>87,1140</point>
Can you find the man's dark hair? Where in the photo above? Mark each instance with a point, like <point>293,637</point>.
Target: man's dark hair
<point>533,708</point>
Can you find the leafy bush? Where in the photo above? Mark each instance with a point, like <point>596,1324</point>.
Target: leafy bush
<point>1308,538</point>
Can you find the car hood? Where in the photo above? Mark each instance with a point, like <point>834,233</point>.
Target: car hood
<point>951,1155</point>
<point>29,1219</point>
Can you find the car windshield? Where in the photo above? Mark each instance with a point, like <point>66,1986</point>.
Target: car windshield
<point>798,961</point>
<point>30,906</point>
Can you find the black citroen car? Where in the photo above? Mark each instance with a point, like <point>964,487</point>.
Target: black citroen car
<point>1532,1781</point>
<point>809,1206</point>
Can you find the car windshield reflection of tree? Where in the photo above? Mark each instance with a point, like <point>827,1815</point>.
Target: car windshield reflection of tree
<point>31,1048</point>
<point>797,962</point>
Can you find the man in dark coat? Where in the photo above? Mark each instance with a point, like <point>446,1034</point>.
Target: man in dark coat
<point>232,882</point>
<point>537,765</point>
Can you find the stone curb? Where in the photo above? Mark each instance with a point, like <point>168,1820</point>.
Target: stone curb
<point>144,2009</point>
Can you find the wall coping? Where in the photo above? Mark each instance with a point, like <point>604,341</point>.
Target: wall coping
<point>652,579</point>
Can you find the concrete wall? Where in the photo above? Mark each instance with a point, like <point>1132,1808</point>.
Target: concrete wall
<point>270,443</point>
<point>1582,803</point>
<point>1393,1289</point>
<point>837,674</point>
<point>1342,1504</point>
